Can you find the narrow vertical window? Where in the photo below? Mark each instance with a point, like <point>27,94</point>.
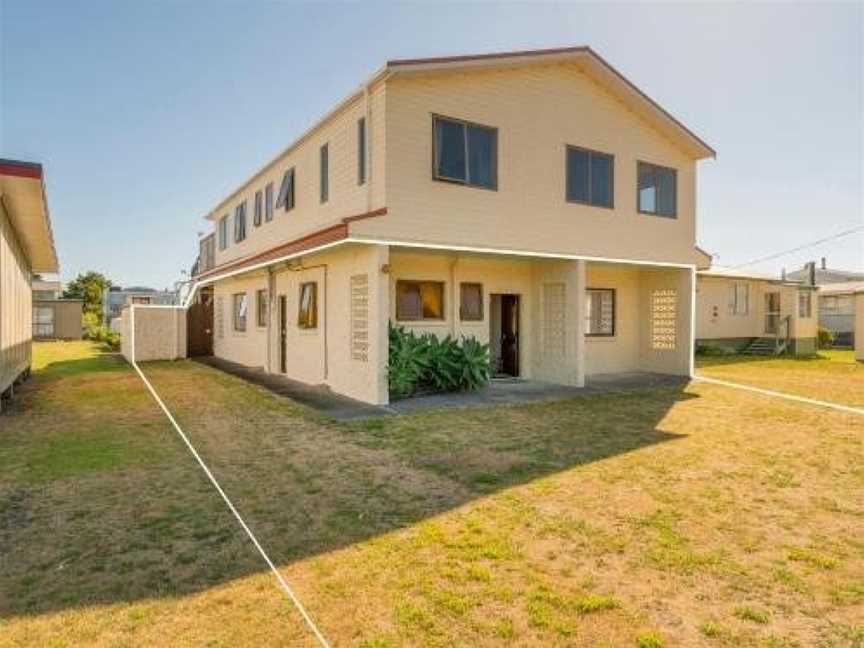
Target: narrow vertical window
<point>307,312</point>
<point>259,208</point>
<point>240,303</point>
<point>240,222</point>
<point>471,302</point>
<point>261,307</point>
<point>223,232</point>
<point>286,191</point>
<point>325,174</point>
<point>268,202</point>
<point>600,312</point>
<point>361,150</point>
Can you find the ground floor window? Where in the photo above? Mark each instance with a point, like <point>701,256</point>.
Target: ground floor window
<point>600,312</point>
<point>43,321</point>
<point>241,307</point>
<point>739,298</point>
<point>261,307</point>
<point>307,313</point>
<point>419,300</point>
<point>805,303</point>
<point>471,302</point>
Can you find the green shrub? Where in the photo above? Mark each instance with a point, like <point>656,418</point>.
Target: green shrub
<point>425,362</point>
<point>825,338</point>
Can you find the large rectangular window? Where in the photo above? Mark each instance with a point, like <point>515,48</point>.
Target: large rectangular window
<point>471,302</point>
<point>465,153</point>
<point>600,312</point>
<point>268,202</point>
<point>307,311</point>
<point>261,307</point>
<point>286,191</point>
<point>223,232</point>
<point>241,307</point>
<point>325,173</point>
<point>361,150</point>
<point>739,298</point>
<point>805,304</point>
<point>657,190</point>
<point>419,300</point>
<point>240,222</point>
<point>259,208</point>
<point>590,177</point>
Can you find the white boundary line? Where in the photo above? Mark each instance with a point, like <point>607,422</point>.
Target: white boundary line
<point>767,392</point>
<point>282,582</point>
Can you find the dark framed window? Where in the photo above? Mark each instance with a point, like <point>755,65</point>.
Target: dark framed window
<point>268,202</point>
<point>240,222</point>
<point>261,307</point>
<point>419,300</point>
<point>600,312</point>
<point>657,191</point>
<point>307,308</point>
<point>259,208</point>
<point>471,302</point>
<point>361,150</point>
<point>465,153</point>
<point>325,173</point>
<point>241,308</point>
<point>590,177</point>
<point>223,232</point>
<point>286,191</point>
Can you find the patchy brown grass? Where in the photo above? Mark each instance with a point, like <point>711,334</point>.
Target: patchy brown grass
<point>832,375</point>
<point>659,518</point>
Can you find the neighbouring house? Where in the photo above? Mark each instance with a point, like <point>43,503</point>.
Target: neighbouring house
<point>537,201</point>
<point>837,310</point>
<point>115,298</point>
<point>54,317</point>
<point>747,312</point>
<point>822,274</point>
<point>859,325</point>
<point>26,248</point>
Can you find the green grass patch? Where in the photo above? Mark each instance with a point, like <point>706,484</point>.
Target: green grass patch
<point>748,613</point>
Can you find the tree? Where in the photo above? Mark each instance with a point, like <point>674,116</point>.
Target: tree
<point>89,287</point>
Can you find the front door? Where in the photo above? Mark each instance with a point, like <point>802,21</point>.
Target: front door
<point>510,334</point>
<point>283,333</point>
<point>772,312</point>
<point>199,326</point>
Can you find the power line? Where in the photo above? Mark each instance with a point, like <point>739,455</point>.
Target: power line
<point>860,228</point>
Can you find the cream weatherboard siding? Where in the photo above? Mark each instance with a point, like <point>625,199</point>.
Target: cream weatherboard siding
<point>859,325</point>
<point>538,110</point>
<point>16,307</point>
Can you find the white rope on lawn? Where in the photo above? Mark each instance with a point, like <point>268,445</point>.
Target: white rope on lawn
<point>282,582</point>
<point>767,392</point>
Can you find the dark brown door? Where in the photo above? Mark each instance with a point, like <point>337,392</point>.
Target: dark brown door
<point>510,334</point>
<point>200,327</point>
<point>283,333</point>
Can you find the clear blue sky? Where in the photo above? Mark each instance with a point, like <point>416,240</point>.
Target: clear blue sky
<point>147,113</point>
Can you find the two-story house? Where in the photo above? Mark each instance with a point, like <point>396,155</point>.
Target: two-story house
<point>538,201</point>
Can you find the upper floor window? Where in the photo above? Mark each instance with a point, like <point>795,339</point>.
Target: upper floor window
<point>739,298</point>
<point>268,202</point>
<point>259,208</point>
<point>805,304</point>
<point>325,173</point>
<point>307,312</point>
<point>590,177</point>
<point>465,153</point>
<point>286,191</point>
<point>419,300</point>
<point>600,312</point>
<point>240,222</point>
<point>361,150</point>
<point>657,191</point>
<point>223,232</point>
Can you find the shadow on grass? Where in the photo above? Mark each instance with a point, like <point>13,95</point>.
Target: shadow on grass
<point>305,485</point>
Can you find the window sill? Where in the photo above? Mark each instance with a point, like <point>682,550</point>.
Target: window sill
<point>459,183</point>
<point>588,204</point>
<point>666,216</point>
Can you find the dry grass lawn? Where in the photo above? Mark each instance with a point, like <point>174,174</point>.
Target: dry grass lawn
<point>831,376</point>
<point>665,517</point>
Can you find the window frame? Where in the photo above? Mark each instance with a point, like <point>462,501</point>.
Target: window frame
<point>361,151</point>
<point>240,222</point>
<point>614,293</point>
<point>268,202</point>
<point>466,183</point>
<point>261,300</point>
<point>235,313</point>
<point>479,286</point>
<point>808,299</point>
<point>258,215</point>
<point>419,283</point>
<point>302,322</point>
<point>289,181</point>
<point>223,232</point>
<point>735,305</point>
<point>324,173</point>
<point>654,166</point>
<point>590,152</point>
